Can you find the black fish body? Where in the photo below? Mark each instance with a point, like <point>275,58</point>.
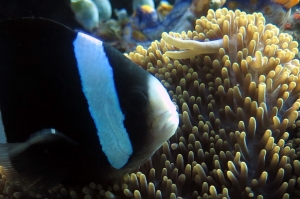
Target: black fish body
<point>73,108</point>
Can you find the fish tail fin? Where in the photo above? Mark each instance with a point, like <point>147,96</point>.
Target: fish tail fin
<point>40,163</point>
<point>6,168</point>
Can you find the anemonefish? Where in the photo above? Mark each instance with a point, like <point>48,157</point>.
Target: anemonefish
<point>74,109</point>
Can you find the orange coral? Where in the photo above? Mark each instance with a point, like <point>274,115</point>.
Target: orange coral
<point>287,3</point>
<point>288,26</point>
<point>296,15</point>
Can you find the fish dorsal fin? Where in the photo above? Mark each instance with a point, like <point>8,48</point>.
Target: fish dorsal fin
<point>41,162</point>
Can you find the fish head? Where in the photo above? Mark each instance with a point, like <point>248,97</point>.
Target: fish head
<point>151,119</point>
<point>150,116</point>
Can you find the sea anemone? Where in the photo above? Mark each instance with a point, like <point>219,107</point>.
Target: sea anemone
<point>236,84</point>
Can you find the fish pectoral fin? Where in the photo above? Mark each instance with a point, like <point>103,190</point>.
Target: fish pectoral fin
<point>43,161</point>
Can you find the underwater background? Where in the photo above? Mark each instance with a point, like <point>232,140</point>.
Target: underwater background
<point>232,69</point>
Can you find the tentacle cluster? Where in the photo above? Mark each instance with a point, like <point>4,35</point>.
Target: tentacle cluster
<point>236,83</point>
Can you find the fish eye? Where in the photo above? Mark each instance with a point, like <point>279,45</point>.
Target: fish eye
<point>137,100</point>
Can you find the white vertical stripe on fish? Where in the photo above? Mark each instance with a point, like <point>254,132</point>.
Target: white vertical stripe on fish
<point>99,89</point>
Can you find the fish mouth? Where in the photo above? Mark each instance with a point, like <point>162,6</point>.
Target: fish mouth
<point>165,125</point>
